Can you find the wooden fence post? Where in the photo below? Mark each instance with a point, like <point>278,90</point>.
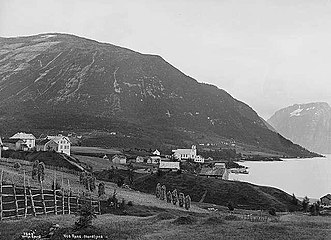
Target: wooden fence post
<point>69,195</point>
<point>1,208</point>
<point>54,191</point>
<point>99,206</point>
<point>42,197</point>
<point>25,197</point>
<point>31,198</point>
<point>15,197</point>
<point>62,201</point>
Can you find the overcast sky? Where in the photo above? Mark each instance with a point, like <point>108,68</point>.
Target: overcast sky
<point>267,53</point>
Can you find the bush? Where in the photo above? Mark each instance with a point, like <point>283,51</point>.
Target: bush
<point>17,166</point>
<point>120,181</point>
<point>86,215</point>
<point>130,203</point>
<point>305,204</point>
<point>272,211</point>
<point>230,206</point>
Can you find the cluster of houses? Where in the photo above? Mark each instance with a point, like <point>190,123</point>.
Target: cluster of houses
<point>172,162</point>
<point>27,142</point>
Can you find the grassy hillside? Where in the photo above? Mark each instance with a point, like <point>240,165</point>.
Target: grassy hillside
<point>243,195</point>
<point>49,158</point>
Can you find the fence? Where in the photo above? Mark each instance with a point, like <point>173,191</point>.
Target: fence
<point>23,201</point>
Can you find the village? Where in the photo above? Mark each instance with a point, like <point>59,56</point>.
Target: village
<point>51,179</point>
<point>147,162</point>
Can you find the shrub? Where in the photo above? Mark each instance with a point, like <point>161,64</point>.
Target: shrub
<point>101,189</point>
<point>272,211</point>
<point>113,201</point>
<point>130,203</point>
<point>17,166</point>
<point>120,181</point>
<point>305,204</point>
<point>230,206</point>
<point>86,215</point>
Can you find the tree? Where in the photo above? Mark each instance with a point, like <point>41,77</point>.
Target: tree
<point>86,215</point>
<point>305,204</point>
<point>294,200</point>
<point>230,206</point>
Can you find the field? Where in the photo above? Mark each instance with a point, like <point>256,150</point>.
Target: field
<point>170,225</point>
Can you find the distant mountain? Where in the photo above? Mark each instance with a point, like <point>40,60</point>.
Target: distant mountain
<point>59,82</point>
<point>306,124</point>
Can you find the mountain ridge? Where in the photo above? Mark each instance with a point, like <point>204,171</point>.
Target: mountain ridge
<point>308,124</point>
<point>63,82</point>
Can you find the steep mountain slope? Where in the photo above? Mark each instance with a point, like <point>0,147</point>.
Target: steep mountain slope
<point>306,124</point>
<point>53,82</point>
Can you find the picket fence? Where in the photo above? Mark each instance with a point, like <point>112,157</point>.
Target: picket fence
<point>22,201</point>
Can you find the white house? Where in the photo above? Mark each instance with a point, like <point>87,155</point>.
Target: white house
<point>167,165</point>
<point>119,159</point>
<point>199,159</point>
<point>27,138</point>
<point>139,159</point>
<point>185,154</point>
<point>156,152</point>
<point>153,159</point>
<point>62,142</point>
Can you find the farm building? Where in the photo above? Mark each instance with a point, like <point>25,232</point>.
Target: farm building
<point>156,152</point>
<point>326,200</point>
<point>27,138</point>
<point>59,144</point>
<point>119,159</point>
<point>218,171</point>
<point>139,159</point>
<point>153,159</point>
<point>167,165</point>
<point>14,144</point>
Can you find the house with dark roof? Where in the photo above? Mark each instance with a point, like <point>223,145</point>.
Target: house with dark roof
<point>59,144</point>
<point>27,138</point>
<point>14,144</point>
<point>326,200</point>
<point>217,171</point>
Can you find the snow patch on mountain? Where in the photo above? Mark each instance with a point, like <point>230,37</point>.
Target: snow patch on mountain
<point>296,112</point>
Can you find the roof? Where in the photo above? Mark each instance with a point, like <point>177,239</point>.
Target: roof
<point>328,196</point>
<point>11,140</point>
<point>172,165</point>
<point>212,171</point>
<point>220,164</point>
<point>58,138</point>
<point>23,135</point>
<point>43,141</point>
<point>119,156</point>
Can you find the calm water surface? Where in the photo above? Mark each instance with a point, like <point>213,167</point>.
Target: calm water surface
<point>304,177</point>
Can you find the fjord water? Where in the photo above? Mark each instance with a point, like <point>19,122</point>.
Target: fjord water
<point>304,177</point>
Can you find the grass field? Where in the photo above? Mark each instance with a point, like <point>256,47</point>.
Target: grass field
<point>93,150</point>
<point>172,225</point>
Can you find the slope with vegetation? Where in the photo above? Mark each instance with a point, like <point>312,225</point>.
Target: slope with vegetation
<point>62,82</point>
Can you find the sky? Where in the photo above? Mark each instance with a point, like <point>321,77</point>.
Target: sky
<point>267,53</point>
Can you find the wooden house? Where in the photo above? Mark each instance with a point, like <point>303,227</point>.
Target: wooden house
<point>326,200</point>
<point>119,159</point>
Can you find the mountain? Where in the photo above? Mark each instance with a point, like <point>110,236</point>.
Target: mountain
<point>118,97</point>
<point>306,124</point>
